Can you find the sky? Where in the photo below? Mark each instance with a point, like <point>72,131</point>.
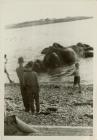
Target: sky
<point>26,10</point>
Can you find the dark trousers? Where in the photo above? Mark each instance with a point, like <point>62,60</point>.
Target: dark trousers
<point>33,97</point>
<point>24,97</point>
<point>76,80</point>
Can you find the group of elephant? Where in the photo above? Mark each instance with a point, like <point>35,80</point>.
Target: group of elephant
<point>58,55</point>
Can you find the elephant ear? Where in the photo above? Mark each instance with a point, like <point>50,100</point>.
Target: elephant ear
<point>25,127</point>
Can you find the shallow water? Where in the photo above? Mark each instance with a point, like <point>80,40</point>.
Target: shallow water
<point>29,42</point>
<point>63,74</point>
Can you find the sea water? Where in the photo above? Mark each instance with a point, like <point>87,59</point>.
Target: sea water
<point>28,42</point>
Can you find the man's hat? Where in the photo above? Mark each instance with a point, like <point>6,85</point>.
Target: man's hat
<point>20,60</point>
<point>29,64</point>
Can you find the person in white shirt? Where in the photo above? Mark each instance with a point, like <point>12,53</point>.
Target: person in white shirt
<point>5,69</point>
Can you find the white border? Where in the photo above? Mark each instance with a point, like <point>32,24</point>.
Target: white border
<point>94,2</point>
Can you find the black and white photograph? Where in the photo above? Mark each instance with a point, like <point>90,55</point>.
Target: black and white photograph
<point>48,50</point>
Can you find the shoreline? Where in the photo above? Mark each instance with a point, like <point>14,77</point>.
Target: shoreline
<point>50,83</point>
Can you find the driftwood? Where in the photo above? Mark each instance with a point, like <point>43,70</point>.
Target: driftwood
<point>89,116</point>
<point>84,103</point>
<point>14,126</point>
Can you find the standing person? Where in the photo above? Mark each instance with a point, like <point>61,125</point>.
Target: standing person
<point>77,77</point>
<point>5,69</point>
<point>32,87</point>
<point>20,72</point>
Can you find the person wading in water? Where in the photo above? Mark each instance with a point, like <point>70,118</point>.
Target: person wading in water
<point>76,77</point>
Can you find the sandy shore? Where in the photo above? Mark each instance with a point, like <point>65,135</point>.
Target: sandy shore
<point>72,109</point>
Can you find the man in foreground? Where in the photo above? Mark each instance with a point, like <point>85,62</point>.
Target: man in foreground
<point>32,87</point>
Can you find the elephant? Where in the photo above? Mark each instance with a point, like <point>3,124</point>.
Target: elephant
<point>88,54</point>
<point>51,60</point>
<point>55,45</point>
<point>58,55</point>
<point>38,66</point>
<point>83,50</point>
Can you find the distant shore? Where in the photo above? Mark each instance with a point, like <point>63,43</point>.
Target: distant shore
<point>46,21</point>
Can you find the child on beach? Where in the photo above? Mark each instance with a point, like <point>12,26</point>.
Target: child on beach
<point>20,72</point>
<point>32,87</point>
<point>77,77</point>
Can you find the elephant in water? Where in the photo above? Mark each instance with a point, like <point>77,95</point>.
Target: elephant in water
<point>38,66</point>
<point>57,56</point>
<point>51,60</point>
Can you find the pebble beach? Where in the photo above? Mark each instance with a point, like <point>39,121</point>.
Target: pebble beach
<point>72,108</point>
